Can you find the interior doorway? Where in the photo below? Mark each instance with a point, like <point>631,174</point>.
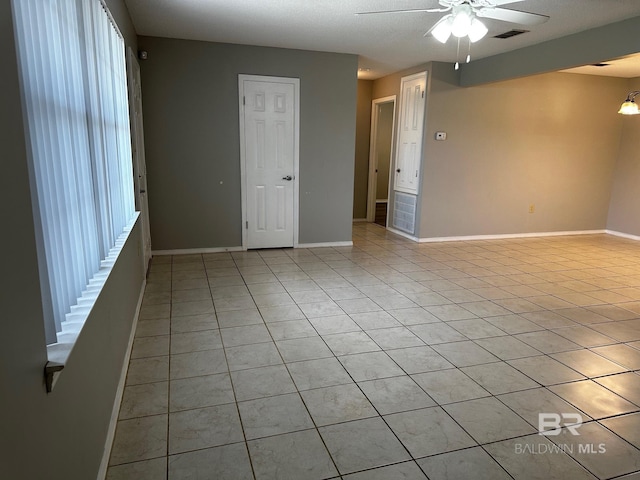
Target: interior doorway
<point>380,151</point>
<point>269,139</point>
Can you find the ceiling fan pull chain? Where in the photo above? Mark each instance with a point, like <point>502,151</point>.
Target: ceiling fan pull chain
<point>457,65</point>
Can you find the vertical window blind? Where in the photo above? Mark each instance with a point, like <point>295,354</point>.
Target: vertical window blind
<point>74,85</point>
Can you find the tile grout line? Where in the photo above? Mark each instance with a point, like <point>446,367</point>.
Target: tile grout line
<point>551,329</point>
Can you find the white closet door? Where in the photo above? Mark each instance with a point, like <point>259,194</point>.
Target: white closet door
<point>269,121</point>
<point>410,133</point>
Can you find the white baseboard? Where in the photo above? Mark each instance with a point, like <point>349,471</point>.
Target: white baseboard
<point>324,244</point>
<point>403,234</point>
<point>464,238</point>
<point>623,235</point>
<point>111,432</point>
<point>187,251</point>
<point>358,220</point>
<point>509,235</point>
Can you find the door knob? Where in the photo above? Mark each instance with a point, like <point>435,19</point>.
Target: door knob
<point>398,170</point>
<point>288,178</point>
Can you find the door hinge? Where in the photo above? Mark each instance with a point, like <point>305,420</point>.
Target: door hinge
<point>423,94</point>
<point>244,100</point>
<point>246,224</point>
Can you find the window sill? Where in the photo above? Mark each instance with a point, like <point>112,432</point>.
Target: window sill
<point>58,353</point>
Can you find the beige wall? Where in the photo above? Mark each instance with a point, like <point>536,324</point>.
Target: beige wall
<point>550,140</point>
<point>624,210</point>
<point>363,130</point>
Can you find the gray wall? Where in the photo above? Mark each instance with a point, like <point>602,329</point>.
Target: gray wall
<point>583,48</point>
<point>59,435</point>
<point>120,14</point>
<point>363,132</point>
<point>190,104</point>
<point>624,211</point>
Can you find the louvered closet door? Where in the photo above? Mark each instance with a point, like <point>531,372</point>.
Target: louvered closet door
<point>269,150</point>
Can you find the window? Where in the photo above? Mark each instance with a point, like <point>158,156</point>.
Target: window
<point>73,74</point>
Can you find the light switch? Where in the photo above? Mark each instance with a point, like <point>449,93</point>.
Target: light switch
<point>441,135</point>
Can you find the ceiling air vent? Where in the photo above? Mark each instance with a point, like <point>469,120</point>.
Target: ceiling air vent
<point>511,33</point>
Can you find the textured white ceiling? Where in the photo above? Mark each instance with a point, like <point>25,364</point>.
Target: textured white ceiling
<point>384,43</point>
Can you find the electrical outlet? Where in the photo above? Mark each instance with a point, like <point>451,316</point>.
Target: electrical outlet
<point>532,208</point>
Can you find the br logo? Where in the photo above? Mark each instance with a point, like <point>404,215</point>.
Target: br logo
<point>552,423</point>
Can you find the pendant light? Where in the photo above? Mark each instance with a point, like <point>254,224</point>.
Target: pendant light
<point>630,107</point>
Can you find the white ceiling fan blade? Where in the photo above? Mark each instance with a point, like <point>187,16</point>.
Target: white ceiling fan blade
<point>443,19</point>
<point>512,16</point>
<point>415,10</point>
<point>497,3</point>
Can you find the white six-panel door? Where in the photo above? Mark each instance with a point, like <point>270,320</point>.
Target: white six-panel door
<point>269,153</point>
<point>410,133</point>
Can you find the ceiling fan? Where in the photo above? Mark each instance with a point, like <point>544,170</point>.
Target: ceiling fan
<point>481,8</point>
<point>462,18</point>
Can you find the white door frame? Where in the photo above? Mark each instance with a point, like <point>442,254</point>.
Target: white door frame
<point>137,149</point>
<point>296,155</point>
<point>402,114</point>
<point>373,155</point>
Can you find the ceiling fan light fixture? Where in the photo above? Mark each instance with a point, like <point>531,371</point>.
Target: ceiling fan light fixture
<point>442,31</point>
<point>477,31</point>
<point>462,19</point>
<point>630,107</point>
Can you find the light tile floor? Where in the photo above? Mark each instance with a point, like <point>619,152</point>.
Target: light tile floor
<point>387,360</point>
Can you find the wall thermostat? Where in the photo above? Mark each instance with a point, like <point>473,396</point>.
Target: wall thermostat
<point>441,135</point>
